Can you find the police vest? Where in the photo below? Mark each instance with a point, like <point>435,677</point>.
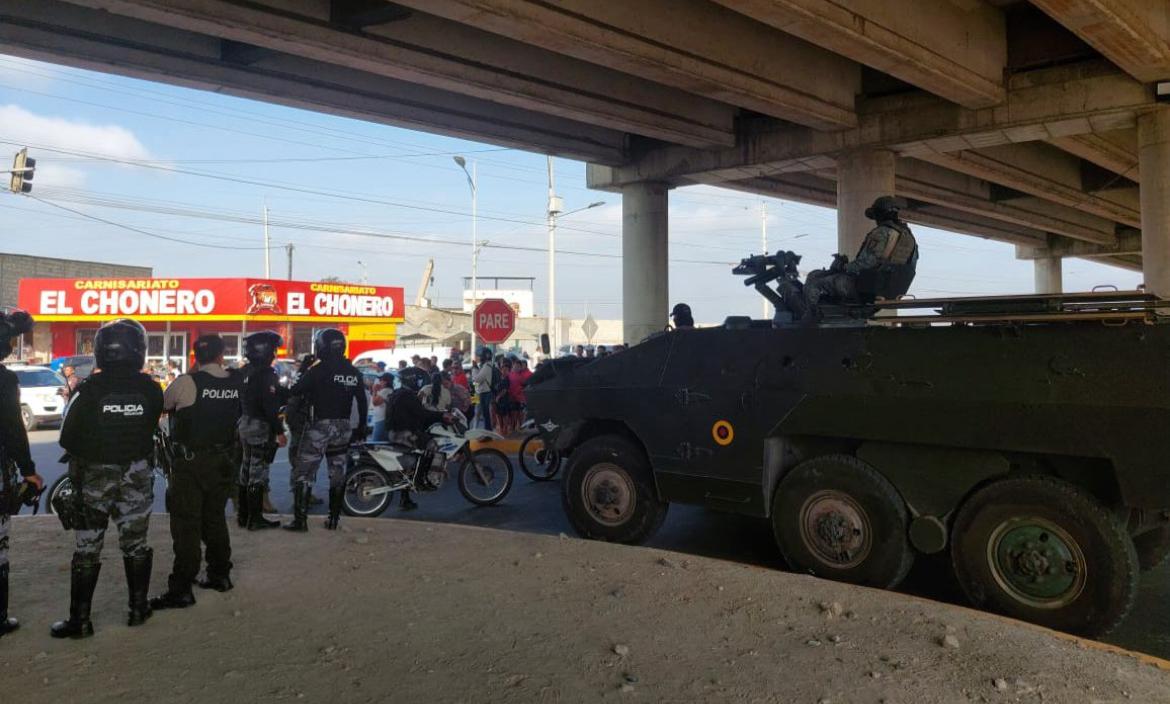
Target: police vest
<point>211,420</point>
<point>122,418</point>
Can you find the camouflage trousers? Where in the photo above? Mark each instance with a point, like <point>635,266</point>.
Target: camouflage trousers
<point>328,438</point>
<point>259,448</point>
<point>123,493</point>
<point>3,538</point>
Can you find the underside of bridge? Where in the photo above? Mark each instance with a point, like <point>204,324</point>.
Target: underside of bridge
<point>1030,122</point>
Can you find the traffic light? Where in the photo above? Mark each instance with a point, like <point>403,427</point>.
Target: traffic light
<point>23,169</point>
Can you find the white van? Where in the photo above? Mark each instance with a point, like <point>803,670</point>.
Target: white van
<point>42,395</point>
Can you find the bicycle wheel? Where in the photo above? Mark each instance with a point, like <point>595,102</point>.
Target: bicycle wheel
<point>539,463</point>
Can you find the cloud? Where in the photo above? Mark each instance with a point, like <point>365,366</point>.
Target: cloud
<point>33,130</point>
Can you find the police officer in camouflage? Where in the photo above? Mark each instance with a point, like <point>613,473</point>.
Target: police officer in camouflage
<point>331,387</point>
<point>205,408</point>
<point>261,429</point>
<point>889,243</point>
<point>109,435</point>
<point>13,450</point>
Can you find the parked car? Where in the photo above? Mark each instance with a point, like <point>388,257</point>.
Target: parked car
<point>42,397</point>
<point>83,364</point>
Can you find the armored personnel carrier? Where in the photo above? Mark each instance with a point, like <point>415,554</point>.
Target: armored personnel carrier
<point>1027,437</point>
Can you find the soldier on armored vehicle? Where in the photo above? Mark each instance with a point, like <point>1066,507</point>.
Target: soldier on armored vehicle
<point>883,268</point>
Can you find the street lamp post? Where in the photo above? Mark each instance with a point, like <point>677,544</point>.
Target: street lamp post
<point>555,206</point>
<point>473,183</point>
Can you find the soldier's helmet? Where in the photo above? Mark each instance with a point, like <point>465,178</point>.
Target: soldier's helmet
<point>120,343</point>
<point>260,347</point>
<point>13,324</point>
<point>329,344</point>
<point>884,207</point>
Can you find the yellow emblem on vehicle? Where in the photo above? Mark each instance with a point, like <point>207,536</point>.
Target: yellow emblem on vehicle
<point>723,433</point>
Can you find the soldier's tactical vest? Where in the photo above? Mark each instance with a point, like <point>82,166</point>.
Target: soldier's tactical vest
<point>901,247</point>
<point>211,420</point>
<point>123,432</point>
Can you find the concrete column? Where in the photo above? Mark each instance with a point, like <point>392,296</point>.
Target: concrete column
<point>1049,275</point>
<point>862,176</point>
<point>1154,162</point>
<point>645,277</point>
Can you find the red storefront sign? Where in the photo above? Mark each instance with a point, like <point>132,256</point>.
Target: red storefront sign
<point>494,320</point>
<point>79,300</point>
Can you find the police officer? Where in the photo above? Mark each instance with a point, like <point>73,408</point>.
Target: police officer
<point>205,408</point>
<point>13,448</point>
<point>261,429</point>
<point>889,242</point>
<point>109,435</point>
<point>296,415</point>
<point>407,421</point>
<point>331,387</point>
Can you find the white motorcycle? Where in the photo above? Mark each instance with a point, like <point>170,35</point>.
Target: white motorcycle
<point>379,469</point>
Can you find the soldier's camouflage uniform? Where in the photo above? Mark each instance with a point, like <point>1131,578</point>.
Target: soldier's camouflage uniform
<point>122,493</point>
<point>328,438</point>
<point>3,538</point>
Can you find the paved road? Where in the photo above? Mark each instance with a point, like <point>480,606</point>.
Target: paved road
<point>536,507</point>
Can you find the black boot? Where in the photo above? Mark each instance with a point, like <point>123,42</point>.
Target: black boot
<point>256,519</point>
<point>7,625</point>
<point>335,497</point>
<point>218,582</point>
<point>407,503</point>
<point>242,505</point>
<point>300,522</point>
<point>83,580</point>
<point>177,596</point>
<point>138,584</point>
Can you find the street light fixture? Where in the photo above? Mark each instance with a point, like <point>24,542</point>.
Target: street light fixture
<point>474,185</point>
<point>555,203</point>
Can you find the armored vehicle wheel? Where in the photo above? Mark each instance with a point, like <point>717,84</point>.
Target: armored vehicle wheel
<point>836,517</point>
<point>608,492</point>
<point>1152,548</point>
<point>1042,550</point>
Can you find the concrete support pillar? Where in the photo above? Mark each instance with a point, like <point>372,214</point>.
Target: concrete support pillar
<point>862,176</point>
<point>1154,162</point>
<point>645,277</point>
<point>1049,275</point>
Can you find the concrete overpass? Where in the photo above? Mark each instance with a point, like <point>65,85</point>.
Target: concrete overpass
<point>1030,122</point>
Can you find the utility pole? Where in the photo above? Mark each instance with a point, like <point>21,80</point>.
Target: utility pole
<point>289,248</point>
<point>472,181</point>
<point>267,246</point>
<point>764,244</point>
<point>555,207</point>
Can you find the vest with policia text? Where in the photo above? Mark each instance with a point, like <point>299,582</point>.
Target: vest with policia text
<point>211,420</point>
<point>121,418</point>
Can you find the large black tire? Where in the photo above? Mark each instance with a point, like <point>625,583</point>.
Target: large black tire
<point>538,462</point>
<point>836,517</point>
<point>483,465</point>
<point>608,492</point>
<point>1153,547</point>
<point>1042,550</point>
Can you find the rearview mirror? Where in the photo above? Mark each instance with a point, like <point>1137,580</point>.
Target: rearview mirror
<point>544,343</point>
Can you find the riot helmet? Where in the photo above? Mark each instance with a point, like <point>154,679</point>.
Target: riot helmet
<point>208,348</point>
<point>120,343</point>
<point>12,325</point>
<point>329,344</point>
<point>883,208</point>
<point>260,347</point>
<point>410,381</point>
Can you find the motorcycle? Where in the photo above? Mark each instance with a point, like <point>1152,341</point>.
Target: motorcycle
<point>379,469</point>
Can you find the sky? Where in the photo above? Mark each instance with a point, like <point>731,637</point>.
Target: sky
<point>185,176</point>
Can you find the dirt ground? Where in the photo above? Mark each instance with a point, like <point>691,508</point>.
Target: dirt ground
<point>400,611</point>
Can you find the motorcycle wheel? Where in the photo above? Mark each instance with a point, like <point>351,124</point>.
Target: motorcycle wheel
<point>485,477</point>
<point>538,462</point>
<point>361,479</point>
<point>63,485</point>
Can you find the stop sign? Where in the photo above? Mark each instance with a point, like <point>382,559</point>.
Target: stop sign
<point>494,320</point>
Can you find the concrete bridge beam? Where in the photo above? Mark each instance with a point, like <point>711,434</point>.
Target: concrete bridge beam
<point>1154,153</point>
<point>1134,34</point>
<point>956,51</point>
